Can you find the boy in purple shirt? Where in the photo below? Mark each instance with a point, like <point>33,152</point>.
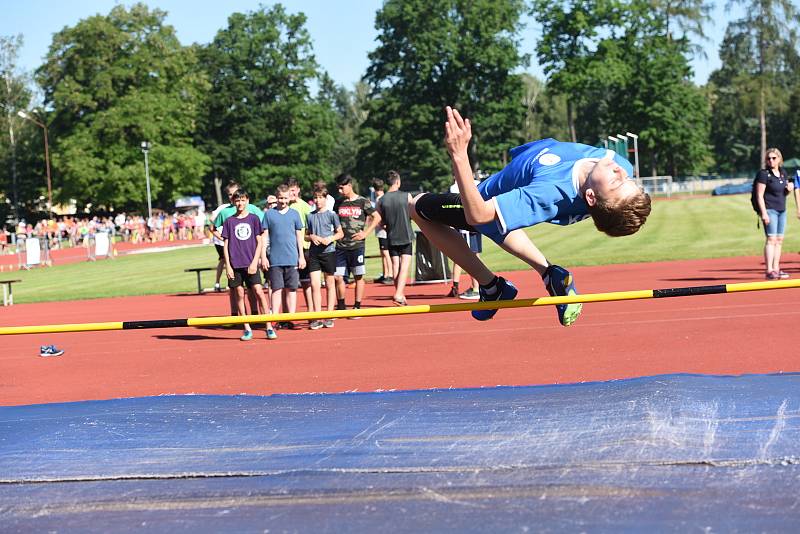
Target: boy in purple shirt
<point>242,249</point>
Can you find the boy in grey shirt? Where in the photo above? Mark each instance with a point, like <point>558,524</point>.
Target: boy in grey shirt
<point>323,229</point>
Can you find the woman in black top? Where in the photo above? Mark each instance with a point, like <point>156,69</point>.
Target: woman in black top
<point>772,186</point>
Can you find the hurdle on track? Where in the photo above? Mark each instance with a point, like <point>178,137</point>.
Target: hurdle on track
<point>404,310</point>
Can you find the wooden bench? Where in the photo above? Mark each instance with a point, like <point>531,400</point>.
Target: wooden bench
<point>8,294</point>
<point>199,270</point>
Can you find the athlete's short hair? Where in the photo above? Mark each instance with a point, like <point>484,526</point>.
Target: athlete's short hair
<point>621,217</point>
<point>239,193</point>
<point>282,188</point>
<point>392,177</point>
<point>320,191</point>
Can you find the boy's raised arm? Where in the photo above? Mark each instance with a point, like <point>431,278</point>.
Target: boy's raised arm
<point>458,132</point>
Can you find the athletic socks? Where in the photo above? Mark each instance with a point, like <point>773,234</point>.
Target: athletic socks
<point>491,288</point>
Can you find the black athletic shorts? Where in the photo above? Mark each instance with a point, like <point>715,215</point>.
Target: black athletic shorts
<point>383,243</point>
<point>443,208</point>
<point>220,251</point>
<point>242,277</point>
<point>303,274</point>
<point>400,250</point>
<point>325,262</point>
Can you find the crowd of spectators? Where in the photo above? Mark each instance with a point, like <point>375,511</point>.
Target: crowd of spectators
<point>66,231</point>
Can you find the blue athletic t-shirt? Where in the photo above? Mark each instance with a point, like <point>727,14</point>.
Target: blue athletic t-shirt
<point>282,228</point>
<point>540,185</point>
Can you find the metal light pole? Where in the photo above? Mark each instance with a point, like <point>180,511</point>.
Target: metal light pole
<point>30,117</point>
<point>635,152</point>
<point>145,149</point>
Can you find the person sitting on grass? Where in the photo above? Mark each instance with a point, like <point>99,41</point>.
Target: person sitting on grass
<point>546,181</point>
<point>243,243</point>
<point>322,231</point>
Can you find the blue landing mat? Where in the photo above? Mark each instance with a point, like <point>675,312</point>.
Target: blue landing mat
<point>675,453</point>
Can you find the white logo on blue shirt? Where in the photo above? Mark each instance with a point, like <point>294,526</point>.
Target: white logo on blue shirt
<point>549,159</point>
<point>243,231</point>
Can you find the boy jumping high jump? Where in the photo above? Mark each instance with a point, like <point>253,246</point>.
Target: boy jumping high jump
<point>546,181</point>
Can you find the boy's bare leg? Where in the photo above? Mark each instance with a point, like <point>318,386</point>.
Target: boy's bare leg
<point>291,300</point>
<point>316,291</point>
<point>518,244</point>
<point>450,242</point>
<point>387,263</point>
<point>400,276</point>
<point>360,284</point>
<point>330,288</point>
<point>341,288</point>
<point>240,304</point>
<point>220,268</point>
<point>277,300</point>
<point>262,299</point>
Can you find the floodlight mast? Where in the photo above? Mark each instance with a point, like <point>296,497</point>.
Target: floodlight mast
<point>145,148</point>
<point>635,153</point>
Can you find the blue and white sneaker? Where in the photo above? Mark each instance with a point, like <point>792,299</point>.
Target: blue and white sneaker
<point>560,283</point>
<point>49,350</point>
<point>505,291</point>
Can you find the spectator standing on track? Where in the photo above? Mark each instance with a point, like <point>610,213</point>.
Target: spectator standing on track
<point>222,214</point>
<point>379,186</point>
<point>322,231</point>
<point>353,211</point>
<point>302,207</point>
<point>243,244</point>
<point>546,181</point>
<point>285,233</point>
<point>772,185</point>
<point>393,210</point>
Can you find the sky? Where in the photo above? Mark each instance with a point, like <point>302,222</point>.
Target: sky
<point>343,31</point>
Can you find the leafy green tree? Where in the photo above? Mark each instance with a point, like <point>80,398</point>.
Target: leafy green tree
<point>545,112</point>
<point>684,19</point>
<point>625,72</point>
<point>734,123</point>
<point>658,99</point>
<point>22,158</point>
<point>351,112</point>
<point>571,30</point>
<point>261,126</point>
<point>772,27</point>
<point>437,53</point>
<point>112,82</point>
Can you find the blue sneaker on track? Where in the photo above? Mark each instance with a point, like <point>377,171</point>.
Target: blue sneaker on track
<point>49,350</point>
<point>505,291</point>
<point>560,283</point>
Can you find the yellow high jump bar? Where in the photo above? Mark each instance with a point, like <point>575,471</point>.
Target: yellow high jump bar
<point>404,310</point>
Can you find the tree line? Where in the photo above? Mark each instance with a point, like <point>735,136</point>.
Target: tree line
<point>254,105</point>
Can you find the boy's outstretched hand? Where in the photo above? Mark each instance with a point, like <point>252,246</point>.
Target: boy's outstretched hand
<point>458,132</point>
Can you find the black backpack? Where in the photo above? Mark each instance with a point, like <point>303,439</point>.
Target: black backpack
<point>754,197</point>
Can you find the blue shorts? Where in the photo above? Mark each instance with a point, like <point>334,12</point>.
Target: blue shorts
<point>474,241</point>
<point>351,261</point>
<point>777,223</point>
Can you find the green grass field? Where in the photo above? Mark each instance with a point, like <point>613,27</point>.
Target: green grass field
<point>689,228</point>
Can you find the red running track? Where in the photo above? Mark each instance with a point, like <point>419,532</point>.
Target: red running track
<point>716,334</point>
